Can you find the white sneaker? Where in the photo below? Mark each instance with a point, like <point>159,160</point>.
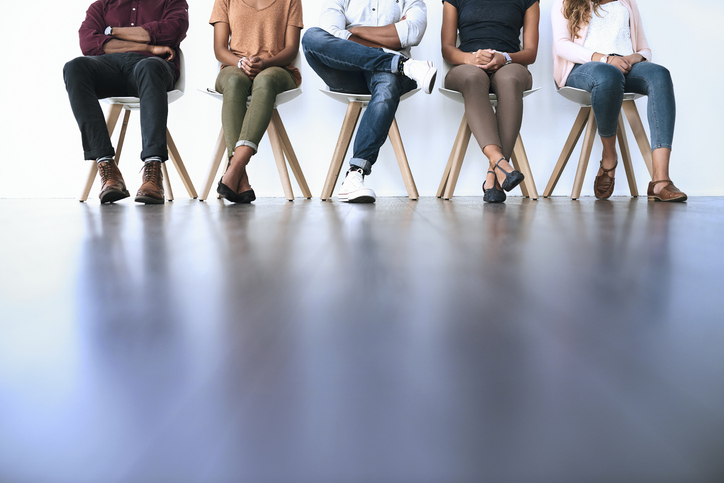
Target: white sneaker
<point>353,188</point>
<point>421,71</point>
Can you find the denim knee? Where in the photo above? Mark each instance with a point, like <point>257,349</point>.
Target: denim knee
<point>610,80</point>
<point>312,39</point>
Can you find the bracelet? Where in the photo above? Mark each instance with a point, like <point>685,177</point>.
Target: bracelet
<point>238,64</point>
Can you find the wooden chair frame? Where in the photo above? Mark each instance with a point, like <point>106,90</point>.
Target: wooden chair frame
<point>356,102</point>
<point>587,120</point>
<point>518,158</point>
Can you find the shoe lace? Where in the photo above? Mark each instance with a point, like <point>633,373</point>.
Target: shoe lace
<point>152,172</point>
<point>105,169</point>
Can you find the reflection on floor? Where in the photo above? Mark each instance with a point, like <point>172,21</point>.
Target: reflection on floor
<point>428,341</point>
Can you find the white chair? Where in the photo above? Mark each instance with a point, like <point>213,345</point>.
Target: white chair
<point>355,104</point>
<point>279,140</point>
<point>586,118</point>
<point>519,158</point>
<point>118,104</point>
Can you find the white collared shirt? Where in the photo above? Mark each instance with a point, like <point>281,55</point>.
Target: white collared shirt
<point>340,15</point>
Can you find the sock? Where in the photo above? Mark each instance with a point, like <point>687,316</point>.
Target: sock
<point>399,65</point>
<point>151,159</point>
<point>103,159</point>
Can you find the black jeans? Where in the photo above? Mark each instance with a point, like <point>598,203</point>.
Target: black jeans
<point>129,74</point>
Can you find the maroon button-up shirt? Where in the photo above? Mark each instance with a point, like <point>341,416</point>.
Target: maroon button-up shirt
<point>166,22</point>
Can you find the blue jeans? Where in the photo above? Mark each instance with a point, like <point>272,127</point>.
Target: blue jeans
<point>129,74</point>
<point>347,66</point>
<point>607,84</point>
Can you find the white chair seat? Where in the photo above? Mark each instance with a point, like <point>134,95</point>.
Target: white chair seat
<point>583,98</point>
<point>458,96</point>
<point>346,97</point>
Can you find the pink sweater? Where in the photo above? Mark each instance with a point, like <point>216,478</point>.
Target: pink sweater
<point>567,52</point>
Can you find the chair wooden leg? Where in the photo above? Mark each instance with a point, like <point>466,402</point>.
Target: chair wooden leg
<point>290,154</point>
<point>637,127</point>
<point>167,183</point>
<point>588,139</point>
<point>340,151</point>
<point>626,156</point>
<point>278,151</point>
<point>571,142</point>
<point>111,119</point>
<point>520,162</point>
<point>122,136</point>
<point>451,159</point>
<point>216,157</point>
<point>458,156</point>
<point>399,149</point>
<point>179,164</point>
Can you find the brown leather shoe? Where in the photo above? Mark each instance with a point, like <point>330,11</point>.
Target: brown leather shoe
<point>668,193</point>
<point>603,184</point>
<point>113,187</point>
<point>151,191</point>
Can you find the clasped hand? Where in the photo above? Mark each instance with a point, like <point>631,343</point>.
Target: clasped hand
<point>487,59</point>
<point>251,66</point>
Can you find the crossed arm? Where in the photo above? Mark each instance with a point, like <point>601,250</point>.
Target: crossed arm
<point>135,39</point>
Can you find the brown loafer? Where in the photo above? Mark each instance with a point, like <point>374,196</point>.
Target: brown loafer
<point>668,193</point>
<point>113,188</point>
<point>151,191</point>
<point>603,184</point>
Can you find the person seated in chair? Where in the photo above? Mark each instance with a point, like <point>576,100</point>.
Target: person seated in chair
<point>599,46</point>
<point>364,48</point>
<point>130,49</point>
<point>489,59</point>
<point>256,42</point>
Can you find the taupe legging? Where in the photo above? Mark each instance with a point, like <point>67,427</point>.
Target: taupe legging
<point>498,127</point>
<point>242,126</point>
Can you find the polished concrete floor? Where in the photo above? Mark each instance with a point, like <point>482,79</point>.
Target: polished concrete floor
<point>550,341</point>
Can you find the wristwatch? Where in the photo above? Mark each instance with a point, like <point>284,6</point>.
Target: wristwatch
<point>604,59</point>
<point>508,60</point>
<point>109,31</point>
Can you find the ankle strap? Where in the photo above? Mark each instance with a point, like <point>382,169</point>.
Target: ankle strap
<point>654,183</point>
<point>609,169</point>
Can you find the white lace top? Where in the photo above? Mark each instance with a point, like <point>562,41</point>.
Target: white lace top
<point>611,32</point>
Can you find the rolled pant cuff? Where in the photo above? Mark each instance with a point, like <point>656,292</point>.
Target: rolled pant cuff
<point>365,165</point>
<point>247,143</point>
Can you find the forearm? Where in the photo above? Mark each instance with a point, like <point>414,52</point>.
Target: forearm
<point>132,34</point>
<point>455,56</point>
<point>366,43</point>
<point>282,59</point>
<point>524,57</point>
<point>385,36</point>
<point>115,46</point>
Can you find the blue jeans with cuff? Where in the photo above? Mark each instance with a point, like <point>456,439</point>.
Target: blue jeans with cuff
<point>349,67</point>
<point>607,85</point>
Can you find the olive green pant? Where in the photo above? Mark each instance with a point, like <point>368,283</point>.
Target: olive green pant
<point>245,126</point>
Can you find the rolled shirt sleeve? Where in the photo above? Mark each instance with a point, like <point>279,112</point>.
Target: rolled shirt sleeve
<point>92,38</point>
<point>412,28</point>
<point>171,29</point>
<point>334,20</point>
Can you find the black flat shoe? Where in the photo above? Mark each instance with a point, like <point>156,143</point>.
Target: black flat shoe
<point>227,192</point>
<point>245,197</point>
<point>512,178</point>
<point>494,194</point>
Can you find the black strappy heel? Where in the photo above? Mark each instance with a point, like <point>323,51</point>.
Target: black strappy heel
<point>494,194</point>
<point>512,178</point>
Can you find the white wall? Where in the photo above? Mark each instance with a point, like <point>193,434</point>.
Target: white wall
<point>41,155</point>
